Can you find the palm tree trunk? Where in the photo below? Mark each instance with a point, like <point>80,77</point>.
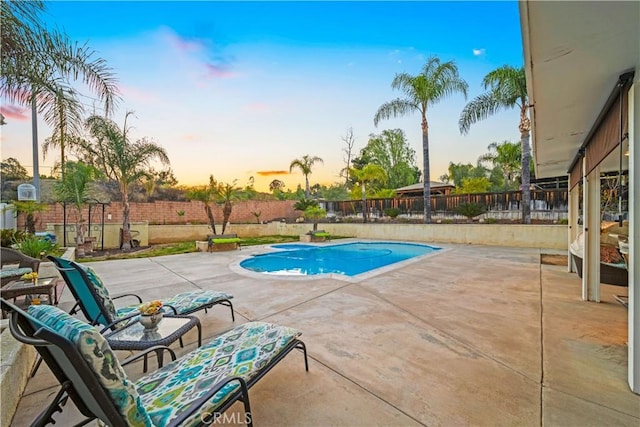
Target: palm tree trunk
<point>526,178</point>
<point>226,214</point>
<point>426,170</point>
<point>126,226</point>
<point>212,222</point>
<point>80,235</point>
<point>307,192</point>
<point>525,129</point>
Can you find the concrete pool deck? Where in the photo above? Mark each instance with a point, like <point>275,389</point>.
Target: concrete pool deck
<point>475,335</point>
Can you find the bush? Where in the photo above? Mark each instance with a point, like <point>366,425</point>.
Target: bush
<point>36,247</point>
<point>563,221</point>
<point>470,210</point>
<point>490,221</point>
<point>303,204</point>
<point>10,237</point>
<point>392,212</point>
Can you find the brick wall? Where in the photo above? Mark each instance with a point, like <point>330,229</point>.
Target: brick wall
<point>165,212</point>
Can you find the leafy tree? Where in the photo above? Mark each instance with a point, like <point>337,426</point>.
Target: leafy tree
<point>207,195</point>
<point>369,174</point>
<point>12,170</point>
<point>37,64</point>
<point>334,192</point>
<point>74,187</point>
<point>305,164</point>
<point>391,151</point>
<point>473,185</point>
<point>226,194</point>
<point>506,156</point>
<point>436,81</point>
<point>120,160</point>
<point>276,185</point>
<point>459,172</point>
<point>506,88</point>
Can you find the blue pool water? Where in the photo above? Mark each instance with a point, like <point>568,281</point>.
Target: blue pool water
<point>349,259</point>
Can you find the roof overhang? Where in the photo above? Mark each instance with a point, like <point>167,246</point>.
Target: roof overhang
<point>574,54</point>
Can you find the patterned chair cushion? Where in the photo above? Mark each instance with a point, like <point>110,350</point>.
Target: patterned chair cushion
<point>14,272</point>
<point>102,292</point>
<point>184,303</point>
<point>241,352</point>
<point>96,352</point>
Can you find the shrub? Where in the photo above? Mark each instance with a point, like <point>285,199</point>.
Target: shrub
<point>303,204</point>
<point>563,221</point>
<point>36,247</point>
<point>392,212</point>
<point>10,237</point>
<point>470,210</point>
<point>490,221</point>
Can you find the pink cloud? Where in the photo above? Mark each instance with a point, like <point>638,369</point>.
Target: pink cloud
<point>13,112</point>
<point>190,137</point>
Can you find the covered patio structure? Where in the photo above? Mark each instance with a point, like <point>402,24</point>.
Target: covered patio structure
<point>582,61</point>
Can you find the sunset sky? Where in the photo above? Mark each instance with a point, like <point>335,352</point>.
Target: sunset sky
<point>240,89</point>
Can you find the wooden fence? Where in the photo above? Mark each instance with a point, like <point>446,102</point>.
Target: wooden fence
<point>541,200</point>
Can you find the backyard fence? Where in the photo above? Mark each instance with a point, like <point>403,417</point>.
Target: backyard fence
<point>541,200</point>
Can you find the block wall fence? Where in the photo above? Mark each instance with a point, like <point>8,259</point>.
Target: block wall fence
<point>165,212</point>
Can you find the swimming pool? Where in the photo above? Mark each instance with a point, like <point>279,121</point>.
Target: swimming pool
<point>349,259</point>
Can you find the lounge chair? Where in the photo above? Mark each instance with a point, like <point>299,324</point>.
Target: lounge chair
<point>97,305</point>
<point>192,390</point>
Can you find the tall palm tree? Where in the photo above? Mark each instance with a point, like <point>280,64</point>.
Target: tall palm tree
<point>506,88</point>
<point>121,160</point>
<point>506,156</point>
<point>39,66</point>
<point>436,81</point>
<point>305,164</point>
<point>368,174</point>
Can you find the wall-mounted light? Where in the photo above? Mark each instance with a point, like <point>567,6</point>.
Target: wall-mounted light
<point>626,153</point>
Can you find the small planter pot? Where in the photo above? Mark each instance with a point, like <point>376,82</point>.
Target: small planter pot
<point>151,321</point>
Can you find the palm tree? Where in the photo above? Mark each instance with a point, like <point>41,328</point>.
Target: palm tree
<point>38,66</point>
<point>227,194</point>
<point>74,187</point>
<point>436,81</point>
<point>368,174</point>
<point>121,160</point>
<point>506,156</point>
<point>305,164</point>
<point>506,88</point>
<point>206,194</point>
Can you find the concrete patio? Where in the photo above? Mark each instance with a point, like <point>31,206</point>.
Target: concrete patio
<point>475,335</point>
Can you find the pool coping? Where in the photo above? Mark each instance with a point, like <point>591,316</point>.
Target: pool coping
<point>264,249</point>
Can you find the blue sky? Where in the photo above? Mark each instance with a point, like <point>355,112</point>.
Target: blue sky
<point>239,89</point>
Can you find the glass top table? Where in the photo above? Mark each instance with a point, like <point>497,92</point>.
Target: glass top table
<point>46,286</point>
<point>134,336</point>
